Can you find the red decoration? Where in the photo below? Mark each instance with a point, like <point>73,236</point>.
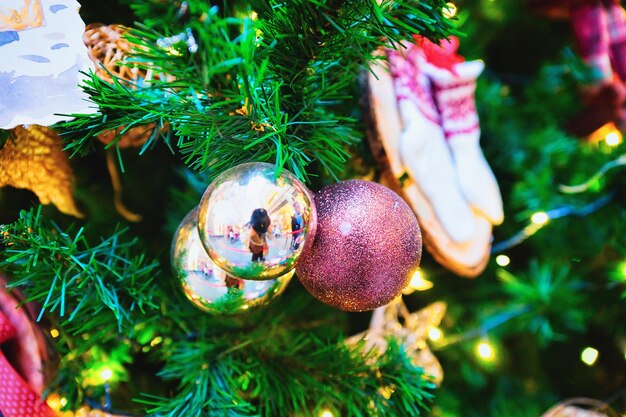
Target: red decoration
<point>17,398</point>
<point>442,55</point>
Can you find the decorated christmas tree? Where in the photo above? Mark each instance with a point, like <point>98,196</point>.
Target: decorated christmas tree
<point>312,208</point>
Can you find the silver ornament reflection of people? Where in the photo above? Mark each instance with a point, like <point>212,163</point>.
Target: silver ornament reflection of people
<point>245,221</point>
<point>257,242</point>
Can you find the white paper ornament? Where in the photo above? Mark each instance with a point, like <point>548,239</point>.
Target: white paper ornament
<point>41,56</point>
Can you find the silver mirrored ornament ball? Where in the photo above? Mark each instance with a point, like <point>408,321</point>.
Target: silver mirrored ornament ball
<point>210,288</point>
<point>255,225</point>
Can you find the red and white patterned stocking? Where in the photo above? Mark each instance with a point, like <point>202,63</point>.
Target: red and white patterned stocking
<point>17,399</point>
<point>616,21</point>
<point>423,147</point>
<point>454,94</point>
<point>590,27</point>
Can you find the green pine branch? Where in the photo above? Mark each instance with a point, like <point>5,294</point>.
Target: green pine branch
<point>78,282</point>
<point>287,374</point>
<point>273,88</point>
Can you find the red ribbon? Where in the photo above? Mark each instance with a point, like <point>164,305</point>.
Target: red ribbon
<point>17,399</point>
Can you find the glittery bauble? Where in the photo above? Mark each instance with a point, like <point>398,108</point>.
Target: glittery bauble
<point>367,246</point>
<point>254,224</point>
<point>210,288</point>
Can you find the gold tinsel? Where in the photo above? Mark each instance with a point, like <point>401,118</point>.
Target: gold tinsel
<point>33,159</point>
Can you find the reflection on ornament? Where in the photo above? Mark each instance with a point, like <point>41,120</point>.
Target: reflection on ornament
<point>254,224</point>
<point>210,288</point>
<point>367,246</point>
<point>413,332</point>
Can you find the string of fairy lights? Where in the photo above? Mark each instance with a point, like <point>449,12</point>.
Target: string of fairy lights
<point>484,349</point>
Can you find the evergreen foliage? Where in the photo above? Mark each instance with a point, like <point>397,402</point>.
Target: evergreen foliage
<point>282,86</point>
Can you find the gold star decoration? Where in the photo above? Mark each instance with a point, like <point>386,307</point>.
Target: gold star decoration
<point>412,332</point>
<point>33,159</point>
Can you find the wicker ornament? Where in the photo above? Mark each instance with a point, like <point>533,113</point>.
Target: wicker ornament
<point>574,408</point>
<point>109,49</point>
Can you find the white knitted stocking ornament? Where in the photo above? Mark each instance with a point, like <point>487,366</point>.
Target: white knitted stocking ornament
<point>423,147</point>
<point>454,95</point>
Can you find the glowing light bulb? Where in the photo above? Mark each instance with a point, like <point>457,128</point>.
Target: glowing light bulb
<point>540,218</point>
<point>503,260</point>
<point>622,269</point>
<point>450,10</point>
<point>435,334</point>
<point>254,15</point>
<point>589,355</point>
<point>485,351</point>
<point>54,402</point>
<point>613,138</point>
<point>106,374</point>
<point>54,333</point>
<point>419,283</point>
<point>326,413</point>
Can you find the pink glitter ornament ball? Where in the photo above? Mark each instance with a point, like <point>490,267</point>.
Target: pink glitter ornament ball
<point>367,246</point>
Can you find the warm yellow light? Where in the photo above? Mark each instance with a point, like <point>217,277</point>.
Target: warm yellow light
<point>172,51</point>
<point>450,10</point>
<point>156,341</point>
<point>54,402</point>
<point>419,283</point>
<point>435,334</point>
<point>539,218</point>
<point>54,333</point>
<point>245,307</point>
<point>106,374</point>
<point>503,260</point>
<point>254,15</point>
<point>589,355</point>
<point>63,402</point>
<point>326,413</point>
<point>485,351</point>
<point>613,138</point>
